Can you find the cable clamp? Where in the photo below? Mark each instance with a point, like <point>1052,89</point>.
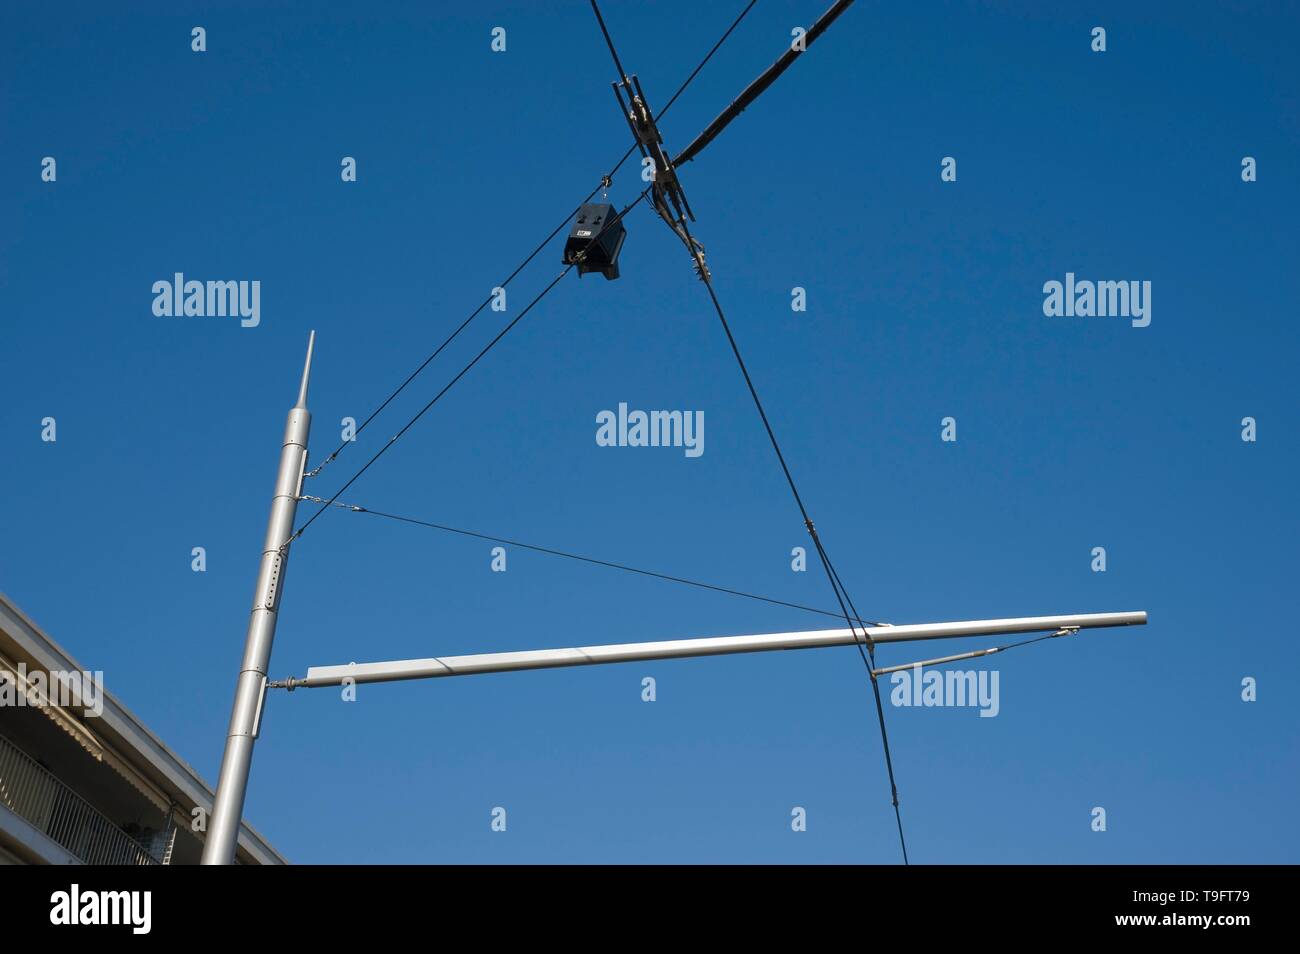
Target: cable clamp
<point>701,270</point>
<point>321,466</point>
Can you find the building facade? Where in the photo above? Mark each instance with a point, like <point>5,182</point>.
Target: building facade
<point>77,788</point>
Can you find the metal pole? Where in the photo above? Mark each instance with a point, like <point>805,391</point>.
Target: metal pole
<point>683,648</point>
<point>250,691</point>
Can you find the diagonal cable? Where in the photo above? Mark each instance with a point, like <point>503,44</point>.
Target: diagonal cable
<point>551,551</point>
<point>605,180</point>
<point>696,250</point>
<point>841,594</point>
<point>460,374</point>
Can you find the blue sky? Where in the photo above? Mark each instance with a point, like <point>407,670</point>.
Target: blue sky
<point>924,301</point>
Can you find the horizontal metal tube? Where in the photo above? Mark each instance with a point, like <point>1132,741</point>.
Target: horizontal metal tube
<point>682,648</point>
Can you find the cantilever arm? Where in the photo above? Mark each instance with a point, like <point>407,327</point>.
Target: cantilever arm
<point>480,663</point>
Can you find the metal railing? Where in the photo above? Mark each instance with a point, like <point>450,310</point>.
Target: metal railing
<point>30,791</point>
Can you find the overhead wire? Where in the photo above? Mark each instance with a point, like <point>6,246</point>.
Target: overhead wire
<point>453,336</point>
<point>604,183</point>
<point>460,374</point>
<point>848,611</point>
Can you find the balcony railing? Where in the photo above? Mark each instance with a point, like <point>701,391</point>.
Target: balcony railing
<point>29,790</point>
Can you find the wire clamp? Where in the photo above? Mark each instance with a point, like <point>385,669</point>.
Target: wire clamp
<point>321,465</point>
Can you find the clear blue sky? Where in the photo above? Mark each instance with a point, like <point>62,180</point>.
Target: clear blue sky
<point>924,301</point>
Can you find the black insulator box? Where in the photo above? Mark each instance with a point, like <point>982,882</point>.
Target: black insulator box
<point>598,232</point>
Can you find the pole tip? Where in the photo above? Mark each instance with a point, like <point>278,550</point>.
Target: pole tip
<point>306,372</point>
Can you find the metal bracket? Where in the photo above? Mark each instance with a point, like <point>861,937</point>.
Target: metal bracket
<point>261,703</point>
